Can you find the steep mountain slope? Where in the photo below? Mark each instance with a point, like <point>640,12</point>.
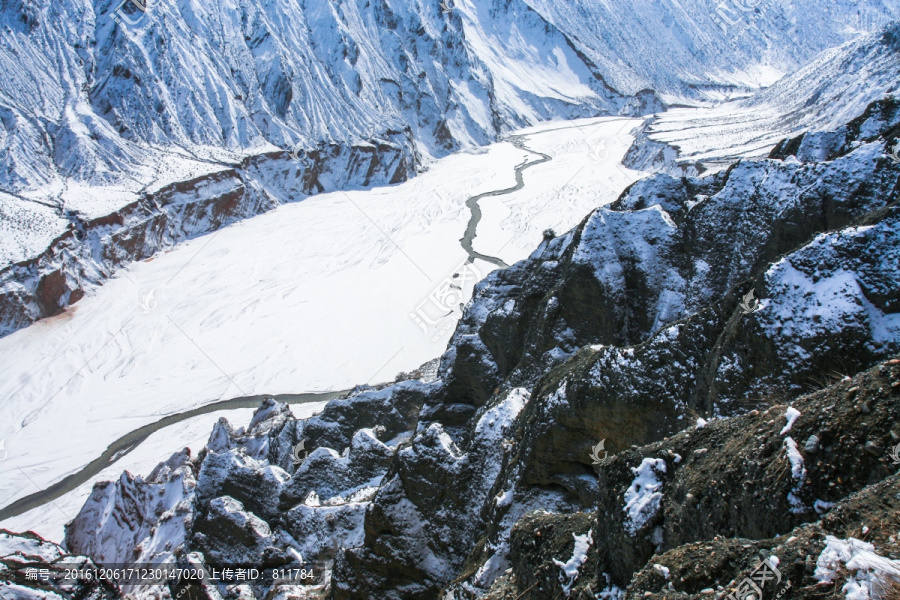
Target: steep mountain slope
<point>821,96</point>
<point>624,330</point>
<point>689,51</point>
<point>101,101</point>
<point>100,110</point>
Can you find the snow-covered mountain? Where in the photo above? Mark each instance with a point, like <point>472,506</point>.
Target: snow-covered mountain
<point>821,96</point>
<point>101,101</point>
<point>131,128</point>
<point>127,131</point>
<point>624,329</point>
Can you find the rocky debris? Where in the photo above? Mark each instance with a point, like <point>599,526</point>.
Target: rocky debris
<point>23,552</point>
<point>721,512</point>
<point>538,543</point>
<point>720,564</point>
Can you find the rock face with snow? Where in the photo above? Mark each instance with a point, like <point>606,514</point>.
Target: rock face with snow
<point>91,250</point>
<point>624,329</point>
<point>48,562</point>
<point>728,497</point>
<point>136,519</point>
<point>130,129</point>
<point>625,326</point>
<point>822,96</point>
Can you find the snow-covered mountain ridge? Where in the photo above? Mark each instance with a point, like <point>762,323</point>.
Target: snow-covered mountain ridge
<point>105,111</point>
<point>622,329</point>
<point>821,96</point>
<point>96,109</point>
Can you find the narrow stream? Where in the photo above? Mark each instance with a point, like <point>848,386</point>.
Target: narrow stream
<point>133,439</point>
<point>471,229</point>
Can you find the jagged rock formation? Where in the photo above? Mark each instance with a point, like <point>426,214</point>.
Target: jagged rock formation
<point>21,553</point>
<point>629,324</point>
<point>723,496</point>
<point>627,329</point>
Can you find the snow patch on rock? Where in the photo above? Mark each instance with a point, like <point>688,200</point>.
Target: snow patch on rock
<point>791,415</point>
<point>579,556</point>
<point>644,497</point>
<point>798,472</point>
<point>869,571</point>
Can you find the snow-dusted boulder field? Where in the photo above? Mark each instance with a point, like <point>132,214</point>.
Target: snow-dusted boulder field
<point>728,417</point>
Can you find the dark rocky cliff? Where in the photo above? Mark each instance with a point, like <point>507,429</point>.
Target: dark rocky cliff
<point>628,329</point>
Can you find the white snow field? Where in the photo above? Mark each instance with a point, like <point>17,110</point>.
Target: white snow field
<point>48,520</point>
<point>822,96</point>
<point>585,173</point>
<point>312,296</point>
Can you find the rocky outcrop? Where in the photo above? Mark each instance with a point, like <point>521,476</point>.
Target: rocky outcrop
<point>32,568</point>
<point>648,154</point>
<point>626,329</point>
<point>635,328</point>
<point>678,252</point>
<point>697,511</point>
<point>93,249</point>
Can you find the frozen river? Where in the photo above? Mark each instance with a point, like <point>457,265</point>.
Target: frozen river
<point>340,289</point>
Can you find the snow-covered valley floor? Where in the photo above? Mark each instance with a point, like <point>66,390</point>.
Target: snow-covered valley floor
<point>312,296</point>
